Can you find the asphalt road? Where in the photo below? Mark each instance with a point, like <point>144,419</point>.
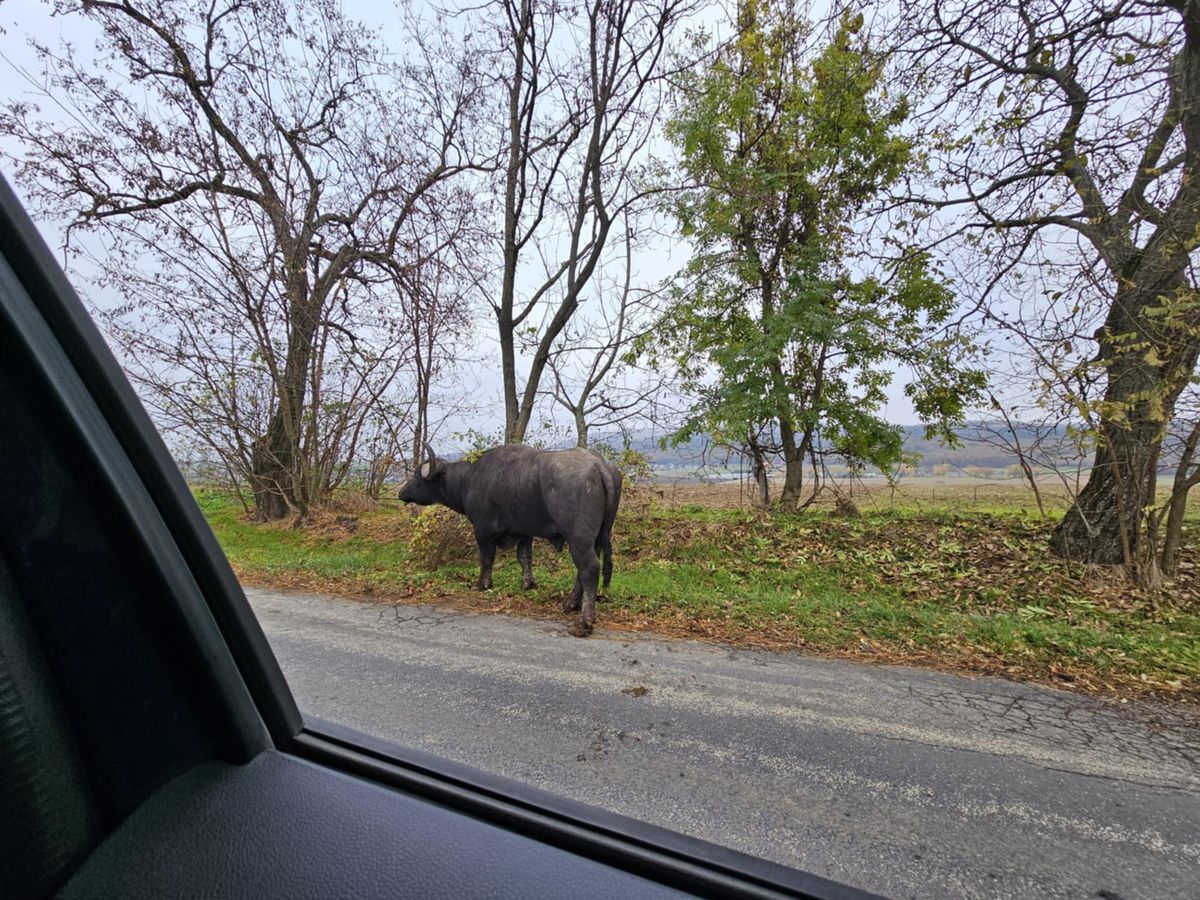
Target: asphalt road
<point>906,782</point>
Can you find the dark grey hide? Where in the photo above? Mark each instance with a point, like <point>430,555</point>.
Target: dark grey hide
<point>515,493</point>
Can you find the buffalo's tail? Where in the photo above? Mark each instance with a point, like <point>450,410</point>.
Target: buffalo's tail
<point>612,488</point>
<point>607,561</point>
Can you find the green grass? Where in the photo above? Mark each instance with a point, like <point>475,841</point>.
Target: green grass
<point>976,590</point>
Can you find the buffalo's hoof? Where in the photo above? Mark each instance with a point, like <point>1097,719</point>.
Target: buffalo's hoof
<point>579,629</point>
<point>528,585</point>
<point>483,585</point>
<point>571,604</point>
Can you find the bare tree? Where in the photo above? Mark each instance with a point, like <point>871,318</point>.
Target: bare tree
<point>267,114</point>
<point>1079,121</point>
<point>199,327</point>
<point>1018,439</point>
<point>581,86</point>
<point>596,376</point>
<point>436,315</point>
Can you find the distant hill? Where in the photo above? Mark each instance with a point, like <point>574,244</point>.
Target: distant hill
<point>974,448</point>
<point>979,446</point>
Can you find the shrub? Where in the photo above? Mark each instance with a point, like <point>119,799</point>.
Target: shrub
<point>844,507</point>
<point>635,466</point>
<point>440,536</point>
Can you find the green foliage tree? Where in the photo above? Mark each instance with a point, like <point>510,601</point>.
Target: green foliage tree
<point>788,345</point>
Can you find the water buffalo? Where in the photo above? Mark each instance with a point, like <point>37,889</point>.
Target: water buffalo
<point>515,493</point>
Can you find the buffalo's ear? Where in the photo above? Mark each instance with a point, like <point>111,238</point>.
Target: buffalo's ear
<point>431,469</point>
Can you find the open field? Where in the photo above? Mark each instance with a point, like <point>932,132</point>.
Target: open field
<point>931,574</point>
<point>926,493</point>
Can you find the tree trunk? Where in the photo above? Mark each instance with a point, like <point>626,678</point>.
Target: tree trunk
<point>1104,525</point>
<point>1185,480</point>
<point>763,486</point>
<point>277,478</point>
<point>793,456</point>
<point>581,427</point>
<point>418,447</point>
<point>759,472</point>
<point>517,160</point>
<point>1173,536</point>
<point>793,468</point>
<point>271,478</point>
<point>1031,478</point>
<point>423,343</point>
<point>508,353</point>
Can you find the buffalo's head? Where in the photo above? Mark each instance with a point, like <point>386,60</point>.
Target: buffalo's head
<point>423,488</point>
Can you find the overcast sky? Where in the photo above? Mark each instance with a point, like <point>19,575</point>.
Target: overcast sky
<point>23,19</point>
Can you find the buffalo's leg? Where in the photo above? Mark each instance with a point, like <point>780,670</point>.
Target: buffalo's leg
<point>525,557</point>
<point>487,557</point>
<point>588,566</point>
<point>572,601</point>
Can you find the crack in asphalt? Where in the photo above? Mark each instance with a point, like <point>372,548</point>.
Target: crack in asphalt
<point>421,617</point>
<point>1073,724</point>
